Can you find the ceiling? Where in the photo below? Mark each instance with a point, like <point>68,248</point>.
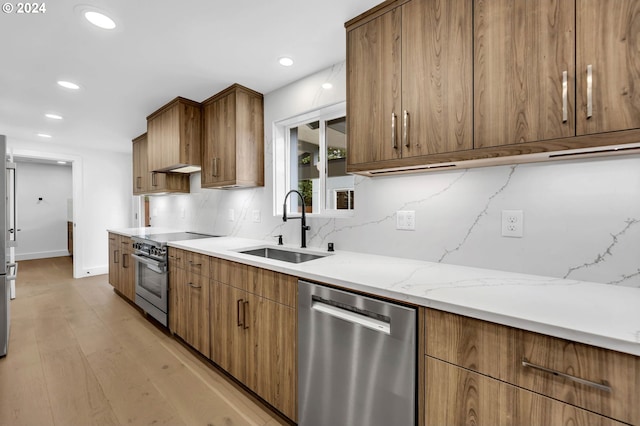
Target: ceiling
<point>159,50</point>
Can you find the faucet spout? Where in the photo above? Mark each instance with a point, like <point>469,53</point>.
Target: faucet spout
<point>303,219</point>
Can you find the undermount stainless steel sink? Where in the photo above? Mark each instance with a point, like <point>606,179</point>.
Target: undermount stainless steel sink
<point>284,255</point>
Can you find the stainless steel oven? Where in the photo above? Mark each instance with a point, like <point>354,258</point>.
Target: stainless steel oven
<point>152,286</point>
<point>152,275</point>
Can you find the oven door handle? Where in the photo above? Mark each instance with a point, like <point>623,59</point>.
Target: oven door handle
<point>154,265</point>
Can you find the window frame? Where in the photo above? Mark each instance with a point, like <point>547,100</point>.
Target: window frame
<point>282,159</point>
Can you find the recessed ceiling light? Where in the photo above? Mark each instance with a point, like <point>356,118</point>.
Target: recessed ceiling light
<point>68,85</point>
<point>62,162</point>
<point>44,135</point>
<point>285,61</point>
<point>53,116</point>
<point>100,20</point>
<point>327,86</point>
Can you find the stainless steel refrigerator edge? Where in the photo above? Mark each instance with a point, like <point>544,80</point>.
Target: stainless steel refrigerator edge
<point>8,270</point>
<point>356,359</point>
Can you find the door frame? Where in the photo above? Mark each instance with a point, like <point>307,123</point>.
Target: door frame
<point>76,182</point>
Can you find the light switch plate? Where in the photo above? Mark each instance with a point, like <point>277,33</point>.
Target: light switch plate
<point>231,215</point>
<point>406,220</point>
<point>256,216</point>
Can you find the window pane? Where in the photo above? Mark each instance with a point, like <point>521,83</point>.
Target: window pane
<point>305,152</point>
<point>339,184</point>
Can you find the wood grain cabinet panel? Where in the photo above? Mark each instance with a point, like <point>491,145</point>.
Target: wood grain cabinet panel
<point>521,50</point>
<point>608,36</point>
<point>409,83</point>
<point>121,266</point>
<point>233,139</point>
<point>174,135</point>
<point>434,84</point>
<point>498,351</point>
<point>148,182</point>
<point>373,89</point>
<point>189,301</point>
<point>463,397</point>
<point>253,334</point>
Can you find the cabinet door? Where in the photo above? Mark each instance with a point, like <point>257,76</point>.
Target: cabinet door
<point>196,313</point>
<point>437,77</point>
<point>219,158</point>
<point>522,50</point>
<point>127,276</point>
<point>177,281</point>
<point>458,396</point>
<point>140,166</point>
<point>114,259</point>
<point>275,353</point>
<point>228,336</point>
<point>373,89</point>
<point>608,36</point>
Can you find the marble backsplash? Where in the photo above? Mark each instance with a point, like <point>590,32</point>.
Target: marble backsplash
<point>581,217</point>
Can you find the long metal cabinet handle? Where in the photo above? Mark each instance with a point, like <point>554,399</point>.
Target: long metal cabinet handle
<point>245,305</point>
<point>394,143</point>
<point>214,167</point>
<point>124,258</point>
<point>138,182</point>
<point>565,107</point>
<point>153,179</point>
<point>589,91</point>
<point>601,386</point>
<point>116,256</point>
<point>344,314</point>
<point>239,307</point>
<point>405,128</point>
<point>192,285</point>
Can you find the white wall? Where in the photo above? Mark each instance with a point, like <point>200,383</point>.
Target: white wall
<point>43,223</point>
<point>102,198</point>
<point>581,217</point>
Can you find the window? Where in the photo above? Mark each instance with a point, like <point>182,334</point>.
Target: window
<point>311,157</point>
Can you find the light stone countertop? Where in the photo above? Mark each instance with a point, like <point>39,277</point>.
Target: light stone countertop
<point>602,315</point>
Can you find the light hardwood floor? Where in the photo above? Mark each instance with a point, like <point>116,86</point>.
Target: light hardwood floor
<point>80,355</point>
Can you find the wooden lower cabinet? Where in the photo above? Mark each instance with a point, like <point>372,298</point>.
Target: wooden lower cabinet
<point>253,337</point>
<point>121,266</point>
<point>189,309</point>
<point>457,396</point>
<point>497,352</point>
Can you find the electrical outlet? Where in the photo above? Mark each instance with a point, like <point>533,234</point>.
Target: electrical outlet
<point>512,223</point>
<point>406,220</point>
<point>256,216</point>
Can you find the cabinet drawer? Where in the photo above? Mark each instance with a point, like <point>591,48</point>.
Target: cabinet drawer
<point>230,273</point>
<point>464,397</point>
<point>177,258</point>
<point>274,286</point>
<point>197,263</point>
<point>499,351</point>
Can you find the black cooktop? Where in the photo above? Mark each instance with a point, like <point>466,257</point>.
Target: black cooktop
<point>174,236</point>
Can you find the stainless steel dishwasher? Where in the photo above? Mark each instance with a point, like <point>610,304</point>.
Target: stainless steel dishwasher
<point>356,359</point>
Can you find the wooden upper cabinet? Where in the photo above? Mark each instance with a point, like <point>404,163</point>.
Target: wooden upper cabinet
<point>409,77</point>
<point>437,70</point>
<point>174,135</point>
<point>608,36</point>
<point>373,89</point>
<point>140,165</point>
<point>233,139</point>
<point>148,182</point>
<point>522,51</point>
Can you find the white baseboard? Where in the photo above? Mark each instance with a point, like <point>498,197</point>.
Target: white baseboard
<point>41,255</point>
<point>98,270</point>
